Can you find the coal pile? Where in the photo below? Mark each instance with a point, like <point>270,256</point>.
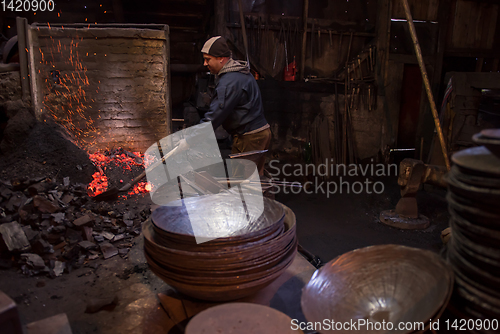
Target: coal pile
<point>48,223</point>
<point>50,228</point>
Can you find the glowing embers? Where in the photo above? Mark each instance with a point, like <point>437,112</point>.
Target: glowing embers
<point>66,87</point>
<point>98,185</point>
<point>115,166</point>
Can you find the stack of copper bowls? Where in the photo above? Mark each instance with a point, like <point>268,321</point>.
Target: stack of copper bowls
<point>225,268</point>
<point>474,247</point>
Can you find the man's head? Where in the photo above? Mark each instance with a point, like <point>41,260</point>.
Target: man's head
<point>216,54</point>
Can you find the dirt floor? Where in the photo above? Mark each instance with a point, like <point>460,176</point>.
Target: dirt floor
<point>112,295</point>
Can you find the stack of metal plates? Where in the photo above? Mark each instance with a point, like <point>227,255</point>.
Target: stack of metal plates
<point>224,268</point>
<point>474,248</point>
<point>377,288</point>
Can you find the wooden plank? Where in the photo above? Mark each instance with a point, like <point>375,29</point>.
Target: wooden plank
<point>443,17</point>
<point>69,43</point>
<point>473,53</point>
<point>21,24</point>
<point>492,31</point>
<point>101,32</point>
<point>409,59</point>
<point>457,20</point>
<point>433,9</point>
<point>451,24</point>
<point>460,27</point>
<point>383,40</point>
<point>397,11</point>
<point>473,23</point>
<point>482,26</point>
<point>421,9</point>
<point>469,23</point>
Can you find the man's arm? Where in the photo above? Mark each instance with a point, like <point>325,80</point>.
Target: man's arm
<point>224,101</point>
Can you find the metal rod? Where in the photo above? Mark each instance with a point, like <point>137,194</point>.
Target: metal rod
<point>418,52</point>
<point>401,149</point>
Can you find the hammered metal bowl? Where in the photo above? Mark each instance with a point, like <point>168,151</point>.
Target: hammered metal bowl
<point>388,283</point>
<point>227,268</point>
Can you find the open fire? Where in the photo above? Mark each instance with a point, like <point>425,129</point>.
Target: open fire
<point>118,158</point>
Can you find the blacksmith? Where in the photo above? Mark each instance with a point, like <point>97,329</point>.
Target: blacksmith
<point>236,103</point>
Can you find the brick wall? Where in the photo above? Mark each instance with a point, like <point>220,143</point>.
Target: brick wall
<point>112,88</point>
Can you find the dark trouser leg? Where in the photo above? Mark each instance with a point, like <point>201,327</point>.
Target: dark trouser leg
<point>253,142</point>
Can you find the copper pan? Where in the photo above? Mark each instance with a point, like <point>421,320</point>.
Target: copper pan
<point>387,282</point>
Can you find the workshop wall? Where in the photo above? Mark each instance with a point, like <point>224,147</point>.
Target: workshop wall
<point>294,111</point>
<point>107,85</point>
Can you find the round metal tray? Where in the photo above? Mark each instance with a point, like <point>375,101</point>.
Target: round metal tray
<point>388,282</point>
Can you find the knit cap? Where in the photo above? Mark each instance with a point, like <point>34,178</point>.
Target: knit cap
<point>216,47</point>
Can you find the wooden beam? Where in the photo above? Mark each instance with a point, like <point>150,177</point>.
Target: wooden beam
<point>409,59</point>
<point>23,56</point>
<point>220,17</point>
<point>325,31</point>
<point>427,85</point>
<point>473,53</point>
<point>383,30</point>
<point>168,79</point>
<point>443,23</point>
<point>243,31</point>
<point>34,84</point>
<point>304,40</point>
<point>494,2</point>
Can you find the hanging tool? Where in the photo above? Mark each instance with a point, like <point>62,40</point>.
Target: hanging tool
<point>312,43</point>
<point>369,98</point>
<point>276,48</point>
<point>349,48</point>
<point>360,69</point>
<point>319,42</point>
<point>330,33</point>
<point>340,48</point>
<point>358,96</point>
<point>370,61</point>
<point>374,57</point>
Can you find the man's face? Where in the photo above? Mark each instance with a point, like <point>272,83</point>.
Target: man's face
<point>214,64</point>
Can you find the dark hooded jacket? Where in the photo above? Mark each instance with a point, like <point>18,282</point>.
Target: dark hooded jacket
<point>236,103</point>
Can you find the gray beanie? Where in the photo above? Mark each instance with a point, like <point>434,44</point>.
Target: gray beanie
<point>216,47</point>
